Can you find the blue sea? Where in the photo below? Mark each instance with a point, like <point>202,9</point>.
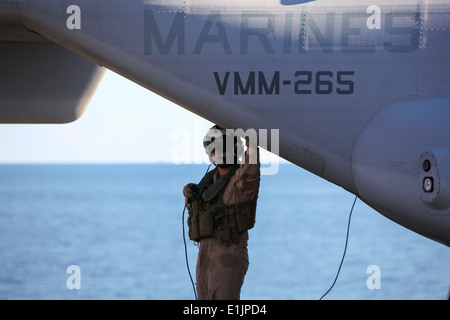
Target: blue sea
<point>121,225</point>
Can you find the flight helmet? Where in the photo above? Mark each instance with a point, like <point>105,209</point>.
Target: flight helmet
<point>224,142</point>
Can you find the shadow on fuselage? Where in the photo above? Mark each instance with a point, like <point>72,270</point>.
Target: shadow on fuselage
<point>293,2</point>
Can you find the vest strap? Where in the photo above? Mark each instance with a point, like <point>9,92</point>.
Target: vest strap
<point>210,217</point>
<point>211,192</point>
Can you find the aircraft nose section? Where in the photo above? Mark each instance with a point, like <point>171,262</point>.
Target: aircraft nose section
<point>407,184</point>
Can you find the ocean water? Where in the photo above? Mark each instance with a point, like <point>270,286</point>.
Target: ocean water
<point>122,226</point>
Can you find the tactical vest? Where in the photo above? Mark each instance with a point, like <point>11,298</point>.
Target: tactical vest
<point>210,217</point>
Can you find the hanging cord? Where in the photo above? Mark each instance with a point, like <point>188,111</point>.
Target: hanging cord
<point>345,249</point>
<point>185,246</point>
<point>186,255</point>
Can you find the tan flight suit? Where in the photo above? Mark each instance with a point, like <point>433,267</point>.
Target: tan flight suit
<point>221,265</point>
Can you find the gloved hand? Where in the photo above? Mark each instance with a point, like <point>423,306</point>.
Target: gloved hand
<point>190,190</point>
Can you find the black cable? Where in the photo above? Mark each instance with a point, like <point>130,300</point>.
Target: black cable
<point>185,246</point>
<point>186,255</point>
<point>345,249</point>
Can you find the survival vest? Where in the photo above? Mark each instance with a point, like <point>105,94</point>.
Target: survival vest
<point>209,216</point>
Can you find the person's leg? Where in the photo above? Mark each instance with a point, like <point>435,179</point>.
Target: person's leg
<point>227,272</point>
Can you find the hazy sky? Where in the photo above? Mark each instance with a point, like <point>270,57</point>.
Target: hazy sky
<point>123,123</point>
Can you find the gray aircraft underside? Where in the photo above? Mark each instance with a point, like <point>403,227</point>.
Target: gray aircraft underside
<point>359,90</point>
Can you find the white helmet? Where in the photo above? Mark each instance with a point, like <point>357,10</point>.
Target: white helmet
<point>217,138</point>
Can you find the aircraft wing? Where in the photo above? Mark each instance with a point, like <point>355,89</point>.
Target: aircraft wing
<point>40,81</point>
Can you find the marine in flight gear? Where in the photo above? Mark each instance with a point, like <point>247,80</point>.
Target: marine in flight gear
<point>222,208</point>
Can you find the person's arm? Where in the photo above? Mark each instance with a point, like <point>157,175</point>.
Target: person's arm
<point>248,175</point>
